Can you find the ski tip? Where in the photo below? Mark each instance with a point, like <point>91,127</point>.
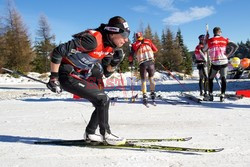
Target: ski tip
<point>219,149</point>
<point>214,150</point>
<point>187,138</point>
<point>183,139</point>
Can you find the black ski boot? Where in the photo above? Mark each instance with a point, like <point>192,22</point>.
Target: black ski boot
<point>222,97</point>
<point>211,97</point>
<point>153,95</point>
<point>145,100</point>
<point>206,97</point>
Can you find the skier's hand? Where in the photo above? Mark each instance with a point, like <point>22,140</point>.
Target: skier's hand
<point>117,57</point>
<point>54,84</point>
<point>110,68</point>
<point>100,68</point>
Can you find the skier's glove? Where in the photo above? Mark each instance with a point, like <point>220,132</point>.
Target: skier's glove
<point>54,84</point>
<point>117,57</point>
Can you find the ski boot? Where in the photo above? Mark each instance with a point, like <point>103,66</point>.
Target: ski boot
<point>222,97</point>
<point>201,93</point>
<point>112,139</point>
<point>153,95</point>
<point>211,97</point>
<point>145,100</point>
<point>92,137</point>
<point>206,97</point>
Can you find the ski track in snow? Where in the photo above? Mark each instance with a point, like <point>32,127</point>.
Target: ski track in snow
<point>30,112</point>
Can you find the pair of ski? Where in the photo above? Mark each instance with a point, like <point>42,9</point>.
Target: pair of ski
<point>172,101</point>
<point>154,103</point>
<point>199,100</point>
<point>147,102</point>
<point>231,96</point>
<point>191,97</point>
<point>166,100</point>
<point>128,99</point>
<point>134,144</point>
<point>132,99</point>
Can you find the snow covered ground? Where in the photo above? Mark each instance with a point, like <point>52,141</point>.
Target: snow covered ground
<point>29,112</point>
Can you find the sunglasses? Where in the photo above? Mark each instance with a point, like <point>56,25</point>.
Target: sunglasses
<point>116,30</point>
<point>125,34</point>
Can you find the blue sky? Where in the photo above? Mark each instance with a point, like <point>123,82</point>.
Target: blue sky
<point>69,17</point>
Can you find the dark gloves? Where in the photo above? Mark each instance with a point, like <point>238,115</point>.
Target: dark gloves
<point>112,62</point>
<point>99,67</point>
<point>117,57</point>
<point>54,84</point>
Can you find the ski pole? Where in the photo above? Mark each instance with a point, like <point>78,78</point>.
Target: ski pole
<point>208,60</point>
<point>174,77</point>
<point>132,86</point>
<point>123,87</point>
<point>218,81</point>
<point>23,75</point>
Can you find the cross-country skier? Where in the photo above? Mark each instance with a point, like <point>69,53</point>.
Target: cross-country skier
<point>201,60</point>
<point>74,62</point>
<point>219,60</point>
<point>143,50</point>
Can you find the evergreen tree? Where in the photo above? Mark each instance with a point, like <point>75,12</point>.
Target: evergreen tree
<point>125,64</point>
<point>148,33</point>
<point>43,46</point>
<point>248,49</point>
<point>160,57</point>
<point>2,44</point>
<point>243,50</point>
<point>18,50</point>
<point>157,42</point>
<point>134,38</point>
<point>171,57</point>
<point>186,65</point>
<point>163,37</point>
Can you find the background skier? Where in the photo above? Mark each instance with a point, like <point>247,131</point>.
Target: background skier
<point>143,50</point>
<point>201,60</point>
<point>219,60</point>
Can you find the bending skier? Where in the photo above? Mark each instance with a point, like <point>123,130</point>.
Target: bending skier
<point>74,62</point>
<point>219,60</point>
<point>143,50</point>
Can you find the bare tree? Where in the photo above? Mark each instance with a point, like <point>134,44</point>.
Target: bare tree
<point>44,44</point>
<point>18,50</point>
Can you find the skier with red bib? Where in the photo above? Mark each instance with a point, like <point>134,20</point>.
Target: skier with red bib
<point>218,56</point>
<point>201,60</point>
<point>143,50</point>
<point>76,66</point>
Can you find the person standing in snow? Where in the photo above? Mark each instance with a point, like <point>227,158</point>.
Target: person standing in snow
<point>74,62</point>
<point>219,60</point>
<point>143,50</point>
<point>201,60</point>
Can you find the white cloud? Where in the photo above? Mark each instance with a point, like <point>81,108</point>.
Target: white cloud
<point>163,4</point>
<point>194,13</point>
<point>140,9</point>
